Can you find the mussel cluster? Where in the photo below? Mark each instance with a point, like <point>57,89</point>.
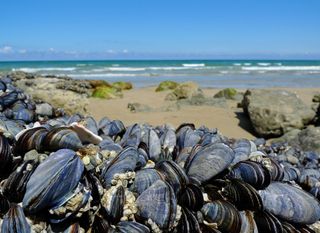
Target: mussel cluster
<point>73,174</point>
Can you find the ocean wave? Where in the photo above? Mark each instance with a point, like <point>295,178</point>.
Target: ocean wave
<point>282,68</point>
<point>263,64</point>
<point>194,65</point>
<point>33,70</point>
<point>237,64</point>
<point>247,64</point>
<point>104,75</point>
<point>125,69</point>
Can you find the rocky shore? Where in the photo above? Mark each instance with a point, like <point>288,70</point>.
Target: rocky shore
<point>61,170</point>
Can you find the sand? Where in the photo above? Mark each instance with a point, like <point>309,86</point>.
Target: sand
<point>230,121</point>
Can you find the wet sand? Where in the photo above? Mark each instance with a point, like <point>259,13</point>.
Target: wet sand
<point>230,121</point>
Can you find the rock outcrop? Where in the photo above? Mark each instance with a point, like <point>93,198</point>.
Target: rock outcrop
<point>275,112</point>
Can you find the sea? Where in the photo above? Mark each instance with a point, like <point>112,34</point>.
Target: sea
<point>208,73</point>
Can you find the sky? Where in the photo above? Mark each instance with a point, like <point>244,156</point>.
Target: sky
<point>159,29</point>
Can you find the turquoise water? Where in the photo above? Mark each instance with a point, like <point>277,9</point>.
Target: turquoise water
<point>210,73</point>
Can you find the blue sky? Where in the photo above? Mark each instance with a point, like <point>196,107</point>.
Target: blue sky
<point>122,29</point>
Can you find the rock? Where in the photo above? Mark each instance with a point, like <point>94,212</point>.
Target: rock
<point>316,98</point>
<point>289,136</point>
<point>166,85</point>
<point>44,109</point>
<point>137,107</point>
<point>228,93</point>
<point>97,83</point>
<point>43,88</point>
<point>200,99</point>
<point>106,92</point>
<point>184,91</point>
<point>78,86</point>
<point>307,139</point>
<point>122,85</point>
<point>275,112</point>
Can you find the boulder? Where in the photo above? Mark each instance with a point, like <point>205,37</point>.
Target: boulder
<point>106,92</point>
<point>307,139</point>
<point>166,85</point>
<point>275,112</point>
<point>122,85</point>
<point>97,83</point>
<point>184,91</point>
<point>227,93</point>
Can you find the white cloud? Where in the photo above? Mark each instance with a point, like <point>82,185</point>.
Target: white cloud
<point>6,49</point>
<point>110,51</point>
<point>51,50</point>
<point>125,51</point>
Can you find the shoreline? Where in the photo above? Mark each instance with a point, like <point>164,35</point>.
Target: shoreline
<point>230,121</point>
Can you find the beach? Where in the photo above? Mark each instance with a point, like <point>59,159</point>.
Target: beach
<point>230,121</point>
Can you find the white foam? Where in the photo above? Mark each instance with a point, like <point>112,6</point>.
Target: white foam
<point>125,69</point>
<point>263,64</point>
<point>194,65</point>
<point>282,68</point>
<point>33,70</point>
<point>247,64</point>
<point>237,64</point>
<point>105,75</point>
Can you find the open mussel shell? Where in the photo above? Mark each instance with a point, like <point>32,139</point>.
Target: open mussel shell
<point>159,204</point>
<point>268,223</point>
<point>61,138</point>
<point>144,179</point>
<point>30,139</point>
<point>277,172</point>
<point>14,187</point>
<point>252,173</point>
<point>209,161</point>
<point>290,203</point>
<point>53,181</point>
<point>15,221</point>
<point>124,162</point>
<point>132,227</point>
<point>224,214</point>
<point>242,195</point>
<point>173,174</point>
<point>112,204</point>
<point>5,156</point>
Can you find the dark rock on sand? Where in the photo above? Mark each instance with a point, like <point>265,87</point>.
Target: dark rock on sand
<point>137,107</point>
<point>275,112</point>
<point>167,85</point>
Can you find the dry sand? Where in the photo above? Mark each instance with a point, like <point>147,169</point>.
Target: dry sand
<point>230,121</point>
